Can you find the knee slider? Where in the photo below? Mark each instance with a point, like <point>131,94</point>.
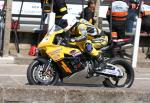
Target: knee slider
<point>88,47</point>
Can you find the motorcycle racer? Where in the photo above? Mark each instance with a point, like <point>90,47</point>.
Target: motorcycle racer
<point>84,35</point>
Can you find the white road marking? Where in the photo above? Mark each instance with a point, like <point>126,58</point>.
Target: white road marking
<point>143,74</point>
<point>7,75</point>
<point>142,78</point>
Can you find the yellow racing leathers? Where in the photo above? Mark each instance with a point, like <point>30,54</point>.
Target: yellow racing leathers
<point>97,37</point>
<point>88,38</point>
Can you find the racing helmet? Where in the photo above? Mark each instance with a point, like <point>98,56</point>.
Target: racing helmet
<point>71,21</point>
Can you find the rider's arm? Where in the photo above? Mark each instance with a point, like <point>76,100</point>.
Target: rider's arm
<point>82,32</point>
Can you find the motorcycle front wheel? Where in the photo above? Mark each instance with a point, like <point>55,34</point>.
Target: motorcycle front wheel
<point>124,82</point>
<point>37,74</point>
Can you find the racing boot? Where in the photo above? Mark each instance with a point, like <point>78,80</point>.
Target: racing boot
<point>99,65</point>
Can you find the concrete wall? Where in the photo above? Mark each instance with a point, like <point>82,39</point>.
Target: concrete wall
<point>48,94</point>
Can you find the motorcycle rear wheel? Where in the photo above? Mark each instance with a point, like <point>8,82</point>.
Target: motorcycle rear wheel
<point>36,76</point>
<point>128,72</point>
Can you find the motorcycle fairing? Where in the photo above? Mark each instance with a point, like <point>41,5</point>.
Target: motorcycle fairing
<point>56,52</point>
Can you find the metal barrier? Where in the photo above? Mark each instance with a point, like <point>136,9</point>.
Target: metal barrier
<point>7,27</point>
<point>2,13</point>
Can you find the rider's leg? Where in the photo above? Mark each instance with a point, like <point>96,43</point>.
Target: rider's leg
<point>96,54</point>
<point>89,48</point>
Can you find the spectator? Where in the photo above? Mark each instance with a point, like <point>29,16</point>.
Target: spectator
<point>145,14</point>
<point>88,12</point>
<point>119,13</point>
<point>133,6</point>
<point>60,8</point>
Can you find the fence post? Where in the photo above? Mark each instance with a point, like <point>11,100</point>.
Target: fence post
<point>7,29</point>
<point>98,23</point>
<point>136,43</point>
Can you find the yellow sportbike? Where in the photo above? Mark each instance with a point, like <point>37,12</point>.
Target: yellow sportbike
<point>58,59</point>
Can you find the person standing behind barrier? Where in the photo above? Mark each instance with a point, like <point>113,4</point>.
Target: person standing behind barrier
<point>60,8</point>
<point>133,9</point>
<point>119,13</point>
<point>145,15</point>
<point>89,11</point>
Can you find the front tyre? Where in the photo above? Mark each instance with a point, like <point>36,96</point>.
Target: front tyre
<point>37,74</point>
<point>126,81</point>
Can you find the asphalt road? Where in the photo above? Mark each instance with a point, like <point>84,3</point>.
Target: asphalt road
<point>12,74</point>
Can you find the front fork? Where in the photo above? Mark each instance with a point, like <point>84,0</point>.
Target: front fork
<point>47,67</point>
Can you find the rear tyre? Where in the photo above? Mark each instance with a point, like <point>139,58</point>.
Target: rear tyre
<point>126,81</point>
<point>36,74</point>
